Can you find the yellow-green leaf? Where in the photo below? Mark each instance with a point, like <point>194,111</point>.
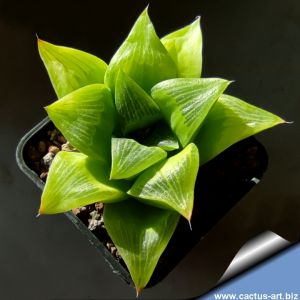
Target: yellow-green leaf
<point>229,121</point>
<point>135,107</point>
<point>185,47</point>
<point>129,158</point>
<point>142,56</point>
<point>170,184</point>
<point>75,180</point>
<point>70,69</point>
<point>141,234</point>
<point>185,102</point>
<point>86,118</point>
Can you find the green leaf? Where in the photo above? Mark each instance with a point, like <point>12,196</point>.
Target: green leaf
<point>185,47</point>
<point>70,69</point>
<point>129,158</point>
<point>185,103</point>
<point>86,119</point>
<point>170,184</point>
<point>75,180</point>
<point>135,107</point>
<point>141,234</point>
<point>142,56</point>
<point>229,121</point>
<point>162,136</point>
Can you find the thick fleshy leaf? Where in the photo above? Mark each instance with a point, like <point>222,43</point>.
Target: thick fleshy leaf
<point>141,234</point>
<point>142,56</point>
<point>170,184</point>
<point>162,136</point>
<point>229,121</point>
<point>185,47</point>
<point>129,158</point>
<point>135,107</point>
<point>86,118</point>
<point>185,102</point>
<point>70,69</point>
<point>75,180</point>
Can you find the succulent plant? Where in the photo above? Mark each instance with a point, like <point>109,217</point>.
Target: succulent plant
<point>142,124</point>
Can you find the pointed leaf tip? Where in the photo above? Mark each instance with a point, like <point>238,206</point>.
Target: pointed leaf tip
<point>141,241</point>
<point>146,10</point>
<point>229,121</point>
<point>288,122</point>
<point>142,56</point>
<point>40,44</point>
<point>41,210</point>
<point>190,225</point>
<point>70,69</point>
<point>39,40</point>
<point>138,292</point>
<point>185,47</point>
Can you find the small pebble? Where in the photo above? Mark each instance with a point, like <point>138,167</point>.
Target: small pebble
<point>76,211</point>
<point>48,158</point>
<point>68,147</point>
<point>93,224</point>
<point>113,250</point>
<point>95,215</point>
<point>109,245</point>
<point>53,149</point>
<point>44,175</point>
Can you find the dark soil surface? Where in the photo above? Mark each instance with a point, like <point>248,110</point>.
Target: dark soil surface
<point>221,183</point>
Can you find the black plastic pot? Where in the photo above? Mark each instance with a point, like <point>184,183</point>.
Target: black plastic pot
<point>221,184</point>
<point>33,134</point>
